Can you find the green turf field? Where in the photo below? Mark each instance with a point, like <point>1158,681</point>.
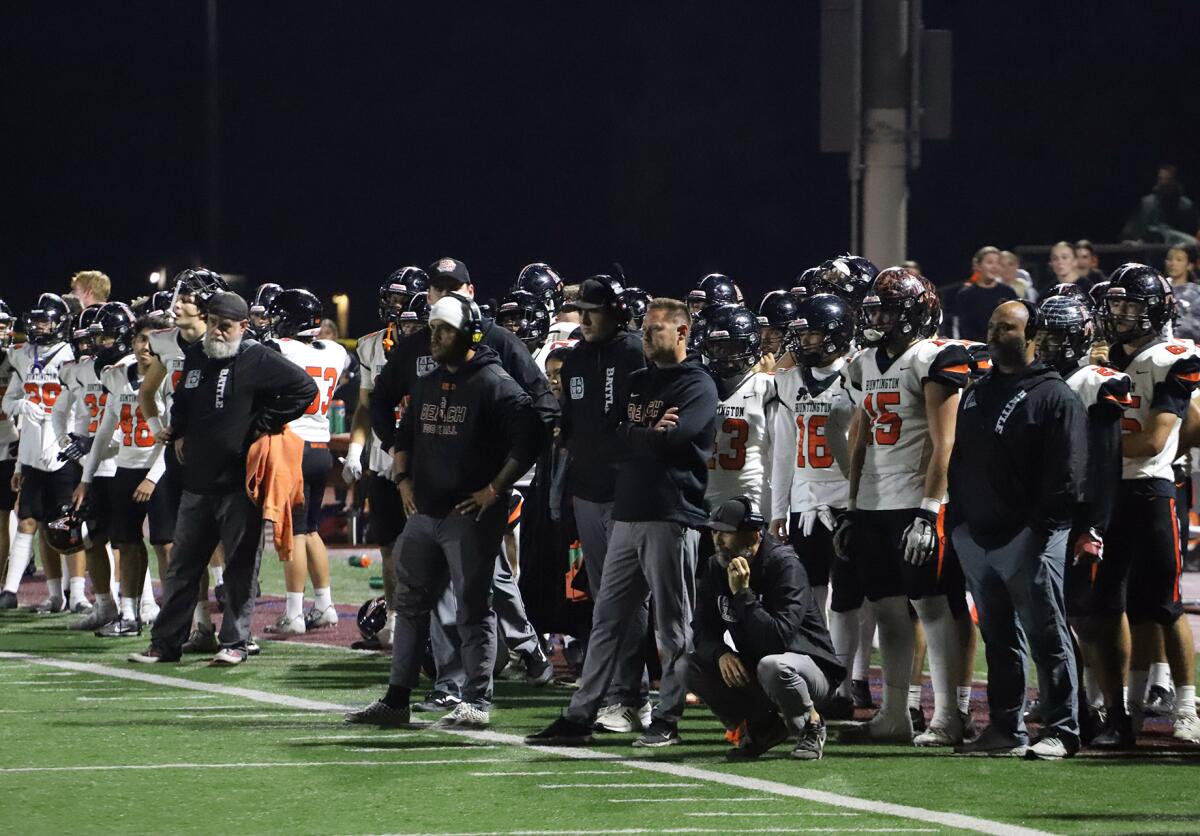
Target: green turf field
<point>86,750</point>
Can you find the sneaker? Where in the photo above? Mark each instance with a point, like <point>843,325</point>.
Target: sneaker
<point>327,617</point>
<point>96,618</point>
<point>219,594</point>
<point>150,656</point>
<point>1187,728</point>
<point>538,670</point>
<point>285,626</point>
<point>380,713</point>
<point>1160,702</point>
<point>367,644</point>
<point>562,732</point>
<point>1033,714</point>
<point>754,743</point>
<point>1051,749</point>
<point>879,730</point>
<point>657,736</point>
<point>811,745</point>
<point>943,734</point>
<point>119,629</point>
<point>8,600</point>
<point>466,716</point>
<point>437,702</point>
<point>203,639</point>
<point>1116,733</point>
<point>917,715</point>
<point>148,612</point>
<point>970,730</point>
<point>229,656</point>
<point>623,718</point>
<point>839,708</point>
<point>50,606</point>
<point>83,605</point>
<point>253,648</point>
<point>860,692</point>
<point>993,743</point>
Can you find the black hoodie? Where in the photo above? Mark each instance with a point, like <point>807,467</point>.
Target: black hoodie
<point>663,475</point>
<point>460,429</point>
<point>1019,457</point>
<point>595,380</point>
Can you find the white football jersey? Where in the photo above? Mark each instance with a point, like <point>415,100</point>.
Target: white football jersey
<point>804,474</point>
<point>325,362</point>
<point>372,355</point>
<point>137,447</point>
<point>739,465</point>
<point>81,405</point>
<point>8,428</point>
<point>1099,386</point>
<point>1163,375</point>
<point>168,346</point>
<point>559,336</point>
<point>892,394</point>
<point>35,380</point>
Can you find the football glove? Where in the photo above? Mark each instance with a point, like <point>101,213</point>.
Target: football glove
<point>920,539</point>
<point>810,518</point>
<point>843,534</point>
<point>352,469</point>
<point>76,448</point>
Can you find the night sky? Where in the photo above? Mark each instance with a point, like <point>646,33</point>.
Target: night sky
<point>677,140</point>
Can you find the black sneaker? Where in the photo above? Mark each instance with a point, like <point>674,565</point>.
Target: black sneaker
<point>437,702</point>
<point>811,745</point>
<point>759,740</point>
<point>8,600</point>
<point>562,732</point>
<point>538,670</point>
<point>657,736</point>
<point>1033,714</point>
<point>1116,733</point>
<point>839,708</point>
<point>860,692</point>
<point>970,730</point>
<point>121,628</point>
<point>918,720</point>
<point>380,713</point>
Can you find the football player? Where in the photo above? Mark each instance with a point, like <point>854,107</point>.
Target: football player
<point>849,276</point>
<point>44,481</point>
<point>526,316</point>
<point>638,301</point>
<point>124,436</point>
<point>906,389</point>
<point>1143,552</point>
<point>776,313</point>
<point>416,315</point>
<point>260,321</point>
<point>544,283</point>
<point>8,436</point>
<point>295,319</point>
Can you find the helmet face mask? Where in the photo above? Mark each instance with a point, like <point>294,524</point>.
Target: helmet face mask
<point>1065,331</point>
<point>295,314</point>
<point>730,342</point>
<point>899,305</point>
<point>526,316</point>
<point>49,321</point>
<point>1138,303</point>
<point>823,330</point>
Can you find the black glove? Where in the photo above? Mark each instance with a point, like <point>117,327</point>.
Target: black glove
<point>76,450</point>
<point>843,533</point>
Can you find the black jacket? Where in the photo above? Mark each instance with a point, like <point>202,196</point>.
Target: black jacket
<point>221,406</point>
<point>410,359</point>
<point>1019,457</point>
<point>460,429</point>
<point>595,381</point>
<point>777,613</point>
<point>663,475</point>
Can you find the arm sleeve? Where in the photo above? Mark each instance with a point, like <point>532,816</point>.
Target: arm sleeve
<point>1064,459</point>
<point>837,430</point>
<point>285,391</point>
<point>771,630</point>
<point>102,446</point>
<point>697,416</point>
<point>1174,393</point>
<point>783,461</point>
<point>771,407</point>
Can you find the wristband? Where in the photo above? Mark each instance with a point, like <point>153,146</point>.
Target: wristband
<point>933,506</point>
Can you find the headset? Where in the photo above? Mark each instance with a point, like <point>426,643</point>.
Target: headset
<point>750,517</point>
<point>472,324</point>
<point>1034,321</point>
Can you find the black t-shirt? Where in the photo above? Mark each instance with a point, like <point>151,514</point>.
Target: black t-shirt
<point>973,306</point>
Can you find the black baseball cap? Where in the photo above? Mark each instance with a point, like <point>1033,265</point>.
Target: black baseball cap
<point>227,305</point>
<point>735,514</point>
<point>594,294</point>
<point>448,271</point>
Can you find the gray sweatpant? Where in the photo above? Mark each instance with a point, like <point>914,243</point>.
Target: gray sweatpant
<point>644,558</point>
<point>1020,585</point>
<point>789,684</point>
<point>630,682</point>
<point>204,521</point>
<point>432,552</point>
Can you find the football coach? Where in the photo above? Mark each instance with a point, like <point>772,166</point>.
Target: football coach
<point>1016,481</point>
<point>233,390</point>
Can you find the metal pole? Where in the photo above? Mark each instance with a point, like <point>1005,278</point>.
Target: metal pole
<point>885,130</point>
<point>855,161</point>
<point>213,114</point>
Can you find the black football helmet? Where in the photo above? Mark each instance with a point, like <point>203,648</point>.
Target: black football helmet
<point>778,309</point>
<point>51,309</point>
<point>850,276</point>
<point>6,325</point>
<point>909,297</point>
<point>731,342</point>
<point>157,303</point>
<point>540,280</point>
<point>713,289</point>
<point>295,312</point>
<point>526,316</point>
<point>115,320</point>
<point>416,315</point>
<point>1064,330</point>
<point>398,290</point>
<point>809,283</point>
<point>372,615</point>
<point>81,337</point>
<point>262,299</point>
<point>833,318</point>
<point>69,531</point>
<point>201,285</point>
<point>637,301</point>
<point>1067,289</point>
<point>1139,283</point>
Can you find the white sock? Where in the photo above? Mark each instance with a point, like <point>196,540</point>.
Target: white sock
<point>200,615</point>
<point>843,632</point>
<point>964,699</point>
<point>294,605</point>
<point>1094,692</point>
<point>1160,675</point>
<point>896,641</point>
<point>63,572</point>
<point>1135,694</point>
<point>323,598</point>
<point>945,655</point>
<point>104,600</point>
<point>866,643</point>
<point>914,697</point>
<point>19,555</point>
<point>54,585</point>
<point>113,580</point>
<point>114,589</point>
<point>147,588</point>
<point>1185,701</point>
<point>217,574</point>
<point>128,610</point>
<point>77,593</point>
<point>1125,697</point>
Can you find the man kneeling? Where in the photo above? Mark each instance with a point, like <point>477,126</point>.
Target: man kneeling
<point>781,664</point>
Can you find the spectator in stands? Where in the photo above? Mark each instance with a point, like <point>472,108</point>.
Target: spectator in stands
<point>1015,277</point>
<point>1166,214</point>
<point>975,301</point>
<point>90,287</point>
<point>1065,267</point>
<point>329,330</point>
<point>1087,262</point>
<point>1180,264</point>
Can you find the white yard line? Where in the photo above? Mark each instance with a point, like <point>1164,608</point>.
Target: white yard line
<point>741,799</point>
<point>760,814</point>
<point>758,786</point>
<point>123,699</point>
<point>282,764</point>
<point>639,830</point>
<point>620,786</point>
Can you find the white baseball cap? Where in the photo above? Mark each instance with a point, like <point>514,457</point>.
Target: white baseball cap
<point>456,311</point>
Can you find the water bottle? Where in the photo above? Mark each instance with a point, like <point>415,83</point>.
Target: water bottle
<point>360,560</point>
<point>376,582</point>
<point>337,417</point>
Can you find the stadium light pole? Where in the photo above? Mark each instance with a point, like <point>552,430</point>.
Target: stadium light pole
<point>213,124</point>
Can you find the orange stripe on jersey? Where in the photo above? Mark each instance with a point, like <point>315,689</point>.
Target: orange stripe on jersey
<point>960,369</point>
<point>941,539</point>
<point>514,516</point>
<point>1178,554</point>
<point>1190,377</point>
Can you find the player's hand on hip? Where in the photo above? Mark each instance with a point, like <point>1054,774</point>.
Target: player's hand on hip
<point>478,502</point>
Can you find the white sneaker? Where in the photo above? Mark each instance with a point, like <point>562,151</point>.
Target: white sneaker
<point>1049,749</point>
<point>96,618</point>
<point>623,718</point>
<point>1187,728</point>
<point>148,611</point>
<point>327,617</point>
<point>81,606</point>
<point>942,734</point>
<point>285,626</point>
<point>466,716</point>
<point>385,634</point>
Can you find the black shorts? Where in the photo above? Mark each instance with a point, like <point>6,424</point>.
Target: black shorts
<point>99,509</point>
<point>387,511</point>
<point>1142,562</point>
<point>877,553</point>
<point>128,516</point>
<point>8,497</point>
<point>45,492</point>
<point>315,467</point>
<point>847,593</point>
<point>815,551</point>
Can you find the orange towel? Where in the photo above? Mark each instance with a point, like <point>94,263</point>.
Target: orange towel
<point>275,482</point>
